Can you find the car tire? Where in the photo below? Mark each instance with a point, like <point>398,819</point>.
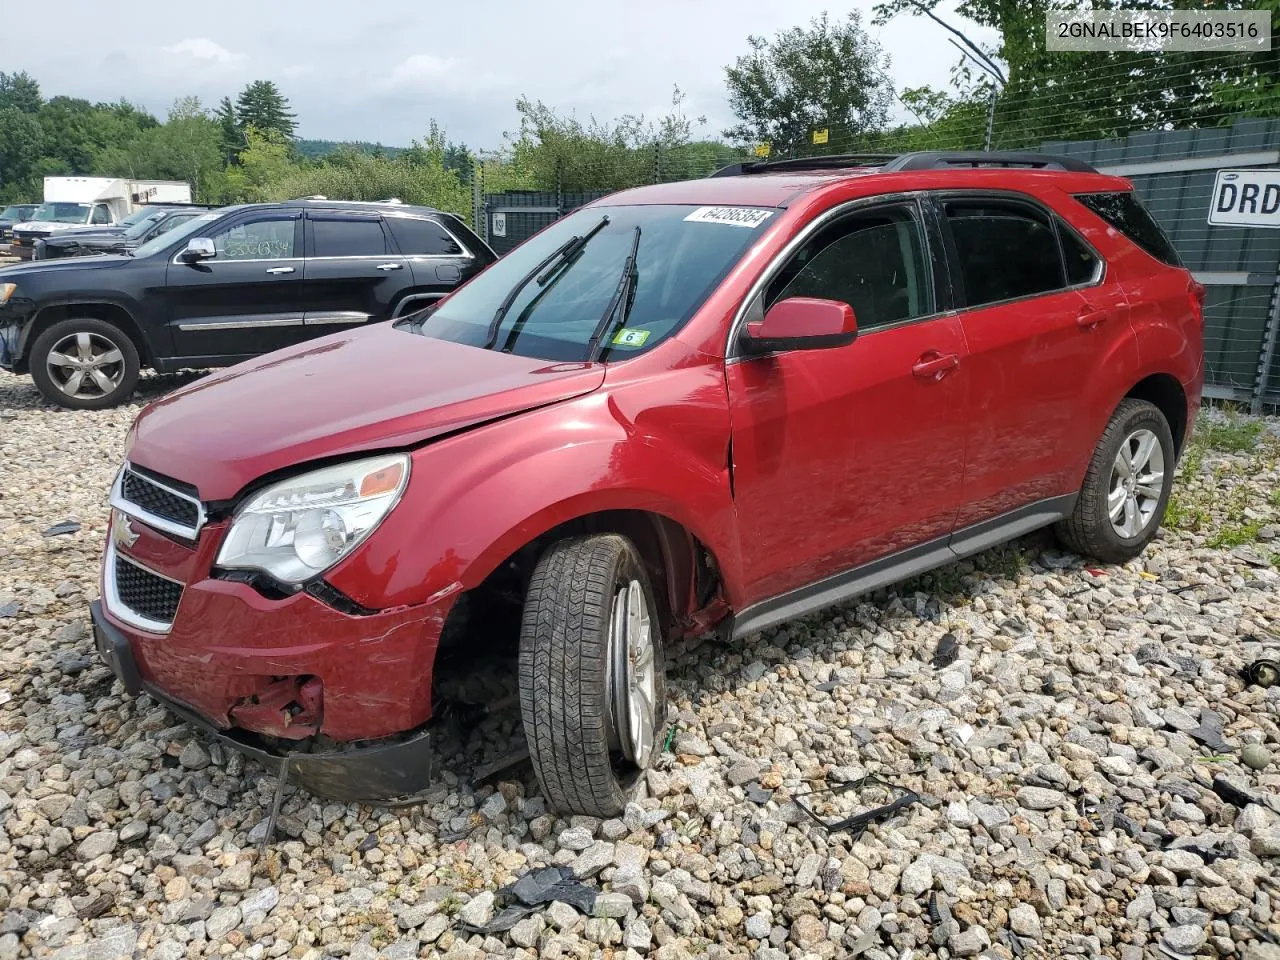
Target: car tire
<point>588,601</point>
<point>1126,488</point>
<point>102,368</point>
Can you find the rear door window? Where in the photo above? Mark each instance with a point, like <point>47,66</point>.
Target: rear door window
<point>348,237</point>
<point>1083,265</point>
<point>423,238</point>
<point>1004,250</point>
<point>1126,213</point>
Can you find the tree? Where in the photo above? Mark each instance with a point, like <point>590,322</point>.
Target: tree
<point>20,91</point>
<point>230,137</point>
<point>1079,95</point>
<point>186,147</point>
<point>831,75</point>
<point>263,107</point>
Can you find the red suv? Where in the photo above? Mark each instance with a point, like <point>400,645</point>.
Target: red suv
<point>725,402</point>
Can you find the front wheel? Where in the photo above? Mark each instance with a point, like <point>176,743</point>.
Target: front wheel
<point>84,363</point>
<point>1126,488</point>
<point>592,687</point>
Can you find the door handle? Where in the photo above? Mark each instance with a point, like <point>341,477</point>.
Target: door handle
<point>275,270</point>
<point>1089,317</point>
<point>934,366</point>
<point>389,266</point>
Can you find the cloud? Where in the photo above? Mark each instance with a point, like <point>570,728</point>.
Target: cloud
<point>202,48</point>
<point>422,68</point>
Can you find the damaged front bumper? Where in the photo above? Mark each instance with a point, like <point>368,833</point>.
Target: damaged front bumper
<point>373,771</point>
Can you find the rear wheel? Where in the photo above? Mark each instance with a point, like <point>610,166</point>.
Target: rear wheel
<point>592,689</point>
<point>1126,488</point>
<point>84,363</point>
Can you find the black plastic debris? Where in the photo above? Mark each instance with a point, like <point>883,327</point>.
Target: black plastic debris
<point>948,650</point>
<point>62,529</point>
<point>533,890</point>
<point>1262,673</point>
<point>1235,795</point>
<point>856,824</point>
<point>1210,732</point>
<point>827,686</point>
<point>368,843</point>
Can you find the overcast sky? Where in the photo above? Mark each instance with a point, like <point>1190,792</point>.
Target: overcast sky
<point>379,70</point>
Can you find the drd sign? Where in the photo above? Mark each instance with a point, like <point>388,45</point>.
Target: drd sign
<point>1246,198</point>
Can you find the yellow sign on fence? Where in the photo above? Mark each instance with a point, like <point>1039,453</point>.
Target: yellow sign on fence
<point>762,150</point>
<point>820,136</point>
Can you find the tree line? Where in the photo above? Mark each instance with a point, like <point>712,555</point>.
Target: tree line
<point>822,87</point>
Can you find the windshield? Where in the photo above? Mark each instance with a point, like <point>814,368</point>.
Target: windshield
<point>141,213</point>
<point>62,213</point>
<point>142,225</point>
<point>175,236</point>
<point>15,212</point>
<point>684,253</point>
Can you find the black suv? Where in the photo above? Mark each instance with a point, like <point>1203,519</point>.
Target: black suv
<point>223,287</point>
<point>121,238</point>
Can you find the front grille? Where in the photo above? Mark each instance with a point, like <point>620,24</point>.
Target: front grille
<point>145,593</point>
<point>158,500</point>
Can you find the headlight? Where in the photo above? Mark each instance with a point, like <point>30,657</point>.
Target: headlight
<point>301,527</point>
<point>7,290</point>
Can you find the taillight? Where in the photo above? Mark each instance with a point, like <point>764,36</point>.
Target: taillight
<point>1197,293</point>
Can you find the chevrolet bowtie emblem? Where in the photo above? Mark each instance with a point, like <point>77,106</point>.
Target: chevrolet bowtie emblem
<point>122,532</point>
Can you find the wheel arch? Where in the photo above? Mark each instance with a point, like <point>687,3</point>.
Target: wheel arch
<point>683,570</point>
<point>1165,392</point>
<point>107,311</point>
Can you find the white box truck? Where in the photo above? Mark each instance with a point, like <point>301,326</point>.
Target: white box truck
<point>87,202</point>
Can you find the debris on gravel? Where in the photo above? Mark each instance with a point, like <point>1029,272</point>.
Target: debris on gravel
<point>1093,772</point>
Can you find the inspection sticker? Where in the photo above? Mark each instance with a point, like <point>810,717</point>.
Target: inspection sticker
<point>748,217</point>
<point>630,337</point>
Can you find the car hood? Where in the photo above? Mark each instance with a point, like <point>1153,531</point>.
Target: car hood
<point>378,388</point>
<point>16,272</point>
<point>40,228</point>
<point>98,233</point>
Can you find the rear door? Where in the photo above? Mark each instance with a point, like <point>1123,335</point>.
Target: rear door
<point>247,300</point>
<point>438,258</point>
<point>844,456</point>
<point>354,275</point>
<point>1038,322</point>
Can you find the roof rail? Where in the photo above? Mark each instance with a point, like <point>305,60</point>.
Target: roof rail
<point>943,160</point>
<point>829,162</point>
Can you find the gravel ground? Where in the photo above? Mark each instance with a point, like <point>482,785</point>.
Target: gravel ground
<point>1065,762</point>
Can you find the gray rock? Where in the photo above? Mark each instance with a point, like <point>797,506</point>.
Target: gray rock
<point>637,935</point>
<point>221,922</point>
<point>592,860</point>
<point>916,878</point>
<point>118,944</point>
<point>97,845</point>
<point>970,942</point>
<point>1025,922</point>
<point>260,901</point>
<point>616,905</point>
<point>526,932</point>
<point>759,924</point>
<point>1040,798</point>
<point>433,927</point>
<point>576,838</point>
<point>1185,939</point>
<point>478,910</point>
<point>194,756</point>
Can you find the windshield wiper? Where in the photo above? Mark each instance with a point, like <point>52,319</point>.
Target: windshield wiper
<point>566,252</point>
<point>622,298</point>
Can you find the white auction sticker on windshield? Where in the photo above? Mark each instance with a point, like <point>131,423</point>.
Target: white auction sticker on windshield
<point>748,217</point>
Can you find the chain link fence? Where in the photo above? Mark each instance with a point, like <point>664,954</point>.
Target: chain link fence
<point>1168,123</point>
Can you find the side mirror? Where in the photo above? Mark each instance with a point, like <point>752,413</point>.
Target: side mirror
<point>801,323</point>
<point>199,248</point>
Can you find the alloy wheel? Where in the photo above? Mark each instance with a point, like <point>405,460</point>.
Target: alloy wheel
<point>85,365</point>
<point>633,678</point>
<point>1137,482</point>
